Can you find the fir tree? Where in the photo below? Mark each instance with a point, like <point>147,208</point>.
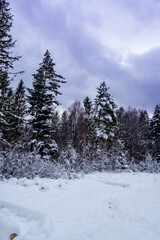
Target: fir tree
<point>156,131</point>
<point>105,117</point>
<point>43,101</point>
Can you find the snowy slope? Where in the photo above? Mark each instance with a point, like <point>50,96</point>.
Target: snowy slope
<point>101,206</point>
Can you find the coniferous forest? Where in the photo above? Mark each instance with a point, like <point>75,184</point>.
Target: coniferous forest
<point>88,136</point>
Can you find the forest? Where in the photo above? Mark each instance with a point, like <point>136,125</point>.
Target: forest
<point>92,135</point>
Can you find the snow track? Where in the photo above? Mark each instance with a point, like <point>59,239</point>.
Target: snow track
<point>117,184</point>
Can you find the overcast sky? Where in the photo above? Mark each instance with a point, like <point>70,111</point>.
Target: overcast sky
<point>93,41</point>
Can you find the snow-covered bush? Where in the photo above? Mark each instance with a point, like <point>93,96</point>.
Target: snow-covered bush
<point>68,160</point>
<point>149,165</point>
<point>18,165</point>
<point>30,165</point>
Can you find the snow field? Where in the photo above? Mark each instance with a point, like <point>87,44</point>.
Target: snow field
<point>101,206</point>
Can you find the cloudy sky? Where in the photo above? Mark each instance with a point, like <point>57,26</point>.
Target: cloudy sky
<point>91,42</point>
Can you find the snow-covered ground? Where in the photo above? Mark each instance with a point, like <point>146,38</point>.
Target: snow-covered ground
<point>101,206</point>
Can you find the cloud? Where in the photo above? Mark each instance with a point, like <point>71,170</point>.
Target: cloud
<point>89,43</point>
<point>146,71</point>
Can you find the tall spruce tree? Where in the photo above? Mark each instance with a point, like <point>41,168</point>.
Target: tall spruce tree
<point>105,117</point>
<point>6,66</point>
<point>156,132</point>
<point>43,101</point>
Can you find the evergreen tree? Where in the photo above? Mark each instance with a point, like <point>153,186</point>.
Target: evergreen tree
<point>89,130</point>
<point>6,66</point>
<point>156,132</point>
<point>43,101</point>
<point>105,117</point>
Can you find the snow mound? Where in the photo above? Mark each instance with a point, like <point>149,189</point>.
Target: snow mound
<point>42,184</point>
<point>24,222</point>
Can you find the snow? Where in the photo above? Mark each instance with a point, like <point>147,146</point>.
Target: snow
<point>99,206</point>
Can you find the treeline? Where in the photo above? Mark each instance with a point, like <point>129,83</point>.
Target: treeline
<point>90,136</point>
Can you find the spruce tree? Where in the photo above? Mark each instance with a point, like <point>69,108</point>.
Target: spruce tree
<point>155,124</point>
<point>105,117</point>
<point>43,101</point>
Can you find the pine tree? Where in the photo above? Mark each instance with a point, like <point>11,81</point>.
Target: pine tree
<point>43,101</point>
<point>155,124</point>
<point>105,117</point>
